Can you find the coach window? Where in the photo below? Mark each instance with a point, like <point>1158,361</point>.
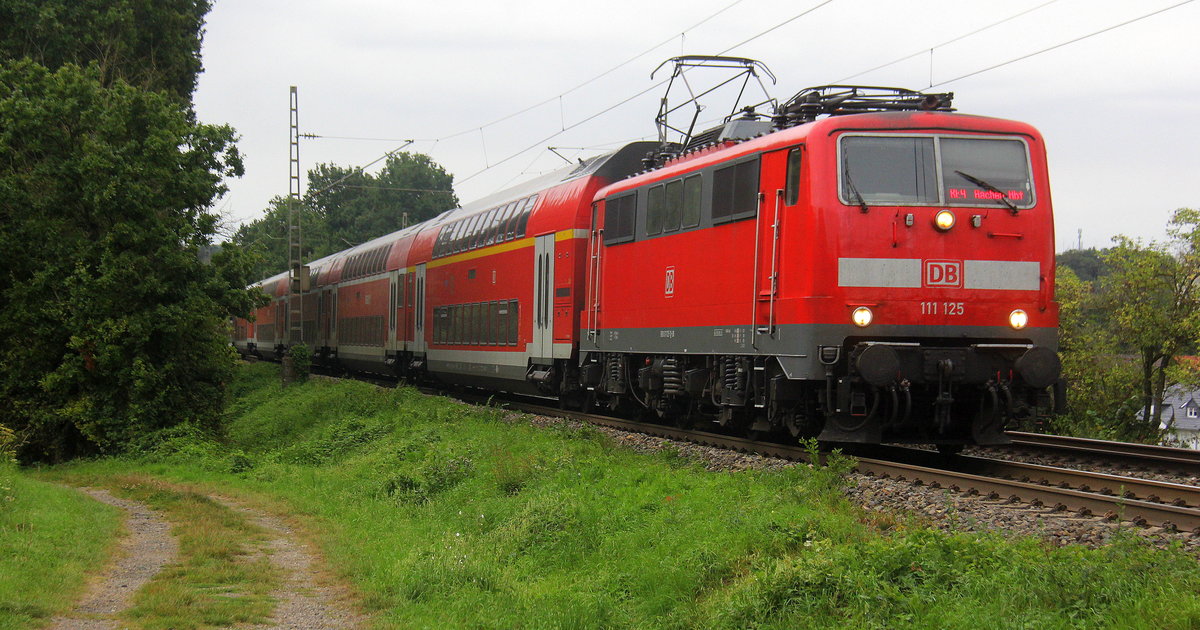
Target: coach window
<point>485,226</point>
<point>477,313</point>
<point>514,321</point>
<point>505,219</point>
<point>523,218</point>
<point>501,310</point>
<point>674,205</point>
<point>493,226</point>
<point>691,201</point>
<point>655,210</point>
<point>792,186</point>
<point>510,224</point>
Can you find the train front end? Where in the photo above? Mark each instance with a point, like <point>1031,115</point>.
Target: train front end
<point>934,313</point>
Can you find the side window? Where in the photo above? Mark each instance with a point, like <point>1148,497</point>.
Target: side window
<point>691,201</point>
<point>523,218</point>
<point>619,215</point>
<point>514,321</point>
<point>792,186</point>
<point>501,310</point>
<point>674,205</point>
<point>735,191</point>
<point>655,210</point>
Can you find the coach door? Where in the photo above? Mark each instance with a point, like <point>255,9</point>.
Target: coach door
<point>326,310</point>
<point>394,305</point>
<point>419,310</point>
<point>543,298</point>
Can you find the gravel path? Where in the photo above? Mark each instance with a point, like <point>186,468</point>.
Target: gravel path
<point>147,548</point>
<point>301,600</point>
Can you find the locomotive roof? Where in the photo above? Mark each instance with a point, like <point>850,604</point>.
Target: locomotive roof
<point>923,121</point>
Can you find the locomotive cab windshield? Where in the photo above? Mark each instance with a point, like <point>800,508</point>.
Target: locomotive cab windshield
<point>939,170</point>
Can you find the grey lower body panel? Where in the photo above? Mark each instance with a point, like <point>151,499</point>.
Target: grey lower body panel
<point>797,345</point>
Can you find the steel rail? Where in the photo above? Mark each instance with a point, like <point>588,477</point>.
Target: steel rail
<point>1177,459</point>
<point>1085,503</point>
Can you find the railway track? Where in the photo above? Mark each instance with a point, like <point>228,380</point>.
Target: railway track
<point>1144,502</point>
<point>1162,458</point>
<point>1174,507</point>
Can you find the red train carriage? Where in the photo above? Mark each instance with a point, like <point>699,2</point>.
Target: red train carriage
<point>500,280</point>
<point>882,276</point>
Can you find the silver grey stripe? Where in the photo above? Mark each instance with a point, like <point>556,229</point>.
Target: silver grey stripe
<point>905,273</point>
<point>1002,275</point>
<point>879,272</point>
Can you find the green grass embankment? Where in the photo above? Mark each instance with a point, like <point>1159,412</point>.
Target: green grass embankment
<point>50,538</point>
<point>443,515</point>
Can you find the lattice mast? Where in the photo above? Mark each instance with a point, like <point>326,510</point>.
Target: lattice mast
<point>295,300</point>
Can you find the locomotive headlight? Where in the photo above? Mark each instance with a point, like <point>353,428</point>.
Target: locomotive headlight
<point>1018,319</point>
<point>943,220</point>
<point>862,317</point>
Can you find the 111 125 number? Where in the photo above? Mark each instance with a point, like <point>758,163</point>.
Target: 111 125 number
<point>942,308</point>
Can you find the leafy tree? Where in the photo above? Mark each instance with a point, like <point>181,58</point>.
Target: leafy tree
<point>111,327</point>
<point>1102,386</point>
<point>1088,264</point>
<point>1153,305</point>
<point>346,206</point>
<point>151,44</point>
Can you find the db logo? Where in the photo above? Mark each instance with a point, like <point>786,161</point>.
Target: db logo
<point>943,273</point>
<point>670,287</point>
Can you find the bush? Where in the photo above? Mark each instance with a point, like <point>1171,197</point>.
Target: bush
<point>301,362</point>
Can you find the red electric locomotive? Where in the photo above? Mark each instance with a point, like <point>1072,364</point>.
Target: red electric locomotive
<point>864,266</point>
<point>886,275</point>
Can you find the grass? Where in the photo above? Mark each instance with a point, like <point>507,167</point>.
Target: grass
<point>443,515</point>
<point>50,537</point>
<point>217,580</point>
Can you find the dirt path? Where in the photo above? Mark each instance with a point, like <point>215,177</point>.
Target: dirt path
<point>302,601</point>
<point>143,553</point>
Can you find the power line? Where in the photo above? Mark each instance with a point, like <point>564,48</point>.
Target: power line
<point>635,96</point>
<point>1060,45</point>
<point>946,43</point>
<point>779,25</point>
<point>418,190</point>
<point>595,78</point>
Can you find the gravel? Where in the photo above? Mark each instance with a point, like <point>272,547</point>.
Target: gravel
<point>147,548</point>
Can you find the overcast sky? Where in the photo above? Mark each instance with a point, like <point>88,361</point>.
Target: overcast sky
<point>1120,110</point>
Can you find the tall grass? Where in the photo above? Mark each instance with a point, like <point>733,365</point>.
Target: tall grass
<point>445,515</point>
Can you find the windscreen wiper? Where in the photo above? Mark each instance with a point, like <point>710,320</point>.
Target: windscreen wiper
<point>862,203</point>
<point>986,186</point>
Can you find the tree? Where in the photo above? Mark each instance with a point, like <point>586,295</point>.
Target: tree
<point>1088,264</point>
<point>1153,305</point>
<point>111,327</point>
<point>1102,387</point>
<point>346,206</point>
<point>150,44</point>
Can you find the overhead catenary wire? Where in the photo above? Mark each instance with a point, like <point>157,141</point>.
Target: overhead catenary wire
<point>595,78</point>
<point>1061,44</point>
<point>635,96</point>
<point>930,49</point>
